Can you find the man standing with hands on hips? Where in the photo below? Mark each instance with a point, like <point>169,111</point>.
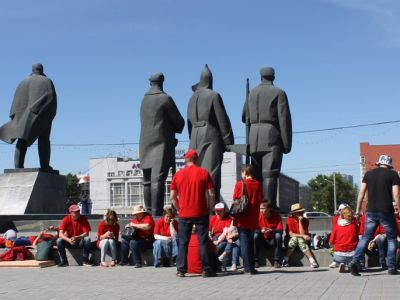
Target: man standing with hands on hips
<point>382,185</point>
<point>189,190</point>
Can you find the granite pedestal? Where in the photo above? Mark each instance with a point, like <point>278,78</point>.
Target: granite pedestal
<point>32,191</point>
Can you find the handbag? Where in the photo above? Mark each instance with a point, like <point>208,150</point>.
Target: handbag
<point>44,250</point>
<point>240,206</point>
<point>128,233</point>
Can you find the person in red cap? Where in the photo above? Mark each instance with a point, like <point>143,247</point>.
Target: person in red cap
<point>74,233</point>
<point>189,189</point>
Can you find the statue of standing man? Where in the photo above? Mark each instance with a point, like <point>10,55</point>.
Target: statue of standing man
<point>32,112</point>
<point>209,127</point>
<point>160,120</point>
<point>267,112</point>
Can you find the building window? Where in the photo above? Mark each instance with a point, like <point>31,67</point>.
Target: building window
<point>167,200</point>
<point>121,173</point>
<point>128,173</point>
<point>363,159</point>
<point>135,194</point>
<point>110,174</point>
<point>117,194</point>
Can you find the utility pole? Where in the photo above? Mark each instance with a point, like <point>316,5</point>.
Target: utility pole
<point>334,192</point>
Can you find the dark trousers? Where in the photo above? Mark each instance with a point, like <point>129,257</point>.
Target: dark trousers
<point>246,238</point>
<point>83,243</point>
<point>275,243</point>
<point>136,246</point>
<point>184,233</point>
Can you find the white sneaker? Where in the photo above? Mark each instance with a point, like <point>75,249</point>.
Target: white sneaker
<point>334,265</point>
<point>233,268</point>
<point>285,262</point>
<point>222,257</point>
<point>314,265</point>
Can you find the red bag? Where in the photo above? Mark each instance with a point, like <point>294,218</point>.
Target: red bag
<point>16,253</point>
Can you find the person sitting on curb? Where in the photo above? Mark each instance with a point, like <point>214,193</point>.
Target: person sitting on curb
<point>144,224</point>
<point>107,237</point>
<point>379,243</point>
<point>74,233</point>
<point>165,244</point>
<point>270,233</point>
<point>223,236</point>
<point>336,217</point>
<point>344,238</point>
<point>297,230</point>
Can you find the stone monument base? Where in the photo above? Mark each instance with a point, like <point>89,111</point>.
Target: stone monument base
<point>32,191</point>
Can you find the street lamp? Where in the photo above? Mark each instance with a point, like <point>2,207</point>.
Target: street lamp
<point>334,192</point>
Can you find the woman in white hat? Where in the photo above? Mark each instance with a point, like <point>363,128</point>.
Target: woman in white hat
<point>143,239</point>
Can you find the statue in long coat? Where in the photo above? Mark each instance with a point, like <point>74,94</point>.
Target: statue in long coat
<point>210,129</point>
<point>267,111</point>
<point>32,112</point>
<point>160,121</point>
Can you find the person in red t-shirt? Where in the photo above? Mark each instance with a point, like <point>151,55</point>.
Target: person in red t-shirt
<point>74,233</point>
<point>165,245</point>
<point>344,238</point>
<point>297,230</point>
<point>144,224</point>
<point>189,189</point>
<point>107,237</point>
<point>396,212</point>
<point>247,222</point>
<point>269,233</point>
<point>224,236</point>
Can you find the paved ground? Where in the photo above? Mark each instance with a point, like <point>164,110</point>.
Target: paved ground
<point>151,283</point>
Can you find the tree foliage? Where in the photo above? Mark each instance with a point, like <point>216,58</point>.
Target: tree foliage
<point>322,195</point>
<point>73,189</point>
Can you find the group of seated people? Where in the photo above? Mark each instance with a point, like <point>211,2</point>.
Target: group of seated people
<point>161,236</point>
<point>224,247</point>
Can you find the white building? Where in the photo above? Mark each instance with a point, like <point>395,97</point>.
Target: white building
<point>116,183</point>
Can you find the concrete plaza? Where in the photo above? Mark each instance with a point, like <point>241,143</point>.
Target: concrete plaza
<point>161,283</point>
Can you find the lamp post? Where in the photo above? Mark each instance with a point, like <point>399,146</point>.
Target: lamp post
<point>334,192</point>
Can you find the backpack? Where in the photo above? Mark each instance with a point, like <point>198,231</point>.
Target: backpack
<point>44,250</point>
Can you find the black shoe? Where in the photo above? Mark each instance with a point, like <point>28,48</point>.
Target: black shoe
<point>86,263</point>
<point>122,263</point>
<point>137,266</point>
<point>180,274</point>
<point>251,272</point>
<point>206,274</point>
<point>354,270</point>
<point>63,264</point>
<point>384,267</point>
<point>393,272</point>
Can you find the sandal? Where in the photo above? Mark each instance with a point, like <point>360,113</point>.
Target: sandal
<point>113,264</point>
<point>103,264</point>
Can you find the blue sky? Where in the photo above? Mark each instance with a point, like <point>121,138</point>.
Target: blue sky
<point>338,61</point>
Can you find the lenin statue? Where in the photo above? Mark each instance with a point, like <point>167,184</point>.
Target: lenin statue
<point>32,112</point>
<point>160,120</point>
<point>267,112</point>
<point>209,127</point>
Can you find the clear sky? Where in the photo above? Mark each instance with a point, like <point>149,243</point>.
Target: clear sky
<point>338,61</point>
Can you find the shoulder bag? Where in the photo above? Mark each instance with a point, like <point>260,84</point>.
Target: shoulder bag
<point>240,206</point>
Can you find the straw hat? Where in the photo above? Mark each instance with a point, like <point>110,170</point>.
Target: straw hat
<point>137,209</point>
<point>296,208</point>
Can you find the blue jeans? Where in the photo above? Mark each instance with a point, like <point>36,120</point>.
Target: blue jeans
<point>388,221</point>
<point>275,243</point>
<point>83,243</point>
<point>136,246</point>
<point>164,248</point>
<point>342,259</point>
<point>382,245</point>
<point>246,238</point>
<point>230,249</point>
<point>184,233</point>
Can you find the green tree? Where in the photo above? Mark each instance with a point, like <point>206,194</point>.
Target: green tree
<point>322,194</point>
<point>73,189</point>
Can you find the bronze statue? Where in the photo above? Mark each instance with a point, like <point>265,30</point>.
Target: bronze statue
<point>209,127</point>
<point>32,112</point>
<point>267,111</point>
<point>160,120</point>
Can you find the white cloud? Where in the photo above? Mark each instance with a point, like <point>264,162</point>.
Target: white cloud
<point>385,13</point>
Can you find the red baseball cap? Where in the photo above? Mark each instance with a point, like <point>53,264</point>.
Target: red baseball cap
<point>191,154</point>
<point>74,208</point>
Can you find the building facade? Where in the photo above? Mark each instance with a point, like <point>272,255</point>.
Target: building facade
<point>116,183</point>
<point>369,155</point>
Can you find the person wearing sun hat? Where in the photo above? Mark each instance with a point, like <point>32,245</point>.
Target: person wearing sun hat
<point>74,233</point>
<point>382,185</point>
<point>297,230</point>
<point>190,187</point>
<point>144,224</point>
